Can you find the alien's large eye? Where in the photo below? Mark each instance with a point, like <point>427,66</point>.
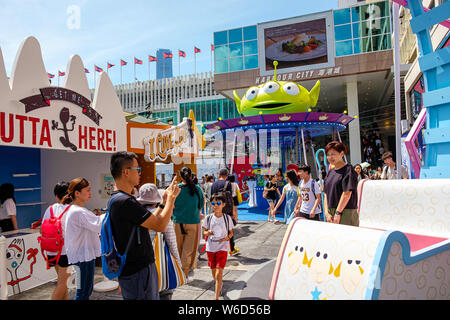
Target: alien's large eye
<point>291,88</point>
<point>271,87</point>
<point>251,93</point>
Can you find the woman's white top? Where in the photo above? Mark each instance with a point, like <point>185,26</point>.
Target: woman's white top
<point>58,208</point>
<point>82,236</point>
<point>234,186</point>
<point>7,209</point>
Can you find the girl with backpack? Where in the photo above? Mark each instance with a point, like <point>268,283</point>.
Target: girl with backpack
<point>186,218</point>
<point>82,236</point>
<point>61,264</point>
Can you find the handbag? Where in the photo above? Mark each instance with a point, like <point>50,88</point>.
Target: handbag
<point>170,274</point>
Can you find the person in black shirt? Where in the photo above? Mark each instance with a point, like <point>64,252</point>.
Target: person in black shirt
<point>271,190</point>
<point>139,277</point>
<point>340,188</point>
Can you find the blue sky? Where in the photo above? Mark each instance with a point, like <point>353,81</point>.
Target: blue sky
<point>113,30</point>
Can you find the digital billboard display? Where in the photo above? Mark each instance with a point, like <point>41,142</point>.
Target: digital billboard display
<point>297,43</point>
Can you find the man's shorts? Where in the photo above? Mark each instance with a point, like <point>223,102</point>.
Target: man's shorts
<point>62,262</point>
<point>217,259</point>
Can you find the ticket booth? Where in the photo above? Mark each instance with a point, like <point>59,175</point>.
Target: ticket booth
<point>50,134</point>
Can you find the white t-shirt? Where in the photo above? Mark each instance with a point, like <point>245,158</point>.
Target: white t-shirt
<point>218,227</point>
<point>308,198</point>
<point>391,173</point>
<point>58,208</point>
<point>7,209</point>
<point>82,234</point>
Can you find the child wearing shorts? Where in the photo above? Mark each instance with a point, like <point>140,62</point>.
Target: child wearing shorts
<point>218,227</point>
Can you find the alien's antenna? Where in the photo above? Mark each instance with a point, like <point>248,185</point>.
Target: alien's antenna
<point>275,63</point>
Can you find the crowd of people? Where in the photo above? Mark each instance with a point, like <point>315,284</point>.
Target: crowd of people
<point>136,217</point>
<point>184,212</point>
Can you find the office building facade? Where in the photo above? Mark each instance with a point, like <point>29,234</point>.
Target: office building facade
<point>163,65</point>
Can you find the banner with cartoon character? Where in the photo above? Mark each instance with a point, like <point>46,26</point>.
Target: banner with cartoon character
<point>37,115</point>
<point>26,266</point>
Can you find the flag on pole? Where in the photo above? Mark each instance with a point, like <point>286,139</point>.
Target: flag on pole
<point>123,63</point>
<point>137,61</point>
<point>50,75</point>
<point>196,50</point>
<point>110,65</point>
<point>98,69</point>
<point>212,47</point>
<point>181,53</point>
<point>152,58</point>
<point>167,55</point>
<point>86,70</point>
<point>61,74</point>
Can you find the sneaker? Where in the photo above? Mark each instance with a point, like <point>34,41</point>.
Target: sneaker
<point>189,279</point>
<point>235,251</point>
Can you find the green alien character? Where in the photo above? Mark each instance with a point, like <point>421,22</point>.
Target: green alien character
<point>277,97</point>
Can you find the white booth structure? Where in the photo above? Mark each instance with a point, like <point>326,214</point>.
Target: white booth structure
<point>50,134</point>
<point>401,250</point>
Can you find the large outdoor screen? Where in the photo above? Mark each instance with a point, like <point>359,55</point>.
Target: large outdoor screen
<point>297,44</point>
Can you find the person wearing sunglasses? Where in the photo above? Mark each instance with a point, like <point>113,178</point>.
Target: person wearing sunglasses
<point>218,228</point>
<point>139,277</point>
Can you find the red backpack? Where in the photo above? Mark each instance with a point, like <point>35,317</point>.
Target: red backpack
<point>52,239</point>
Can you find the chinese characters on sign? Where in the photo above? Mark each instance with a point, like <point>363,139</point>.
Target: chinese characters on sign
<point>302,75</point>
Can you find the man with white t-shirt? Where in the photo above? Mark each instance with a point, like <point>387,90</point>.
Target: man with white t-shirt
<point>308,196</point>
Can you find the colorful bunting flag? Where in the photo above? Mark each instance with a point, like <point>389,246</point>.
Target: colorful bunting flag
<point>98,69</point>
<point>196,50</point>
<point>152,58</point>
<point>181,53</point>
<point>123,63</point>
<point>167,55</point>
<point>137,61</point>
<point>50,75</point>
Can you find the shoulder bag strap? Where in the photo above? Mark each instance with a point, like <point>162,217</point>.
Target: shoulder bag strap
<point>52,216</point>
<point>65,210</point>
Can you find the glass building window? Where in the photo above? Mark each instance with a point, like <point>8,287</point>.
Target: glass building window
<point>251,62</point>
<point>221,52</point>
<point>221,66</point>
<point>235,35</point>
<point>236,50</point>
<point>341,16</point>
<point>220,38</point>
<point>250,47</point>
<point>343,48</point>
<point>250,33</point>
<point>236,64</point>
<point>367,27</point>
<point>343,32</point>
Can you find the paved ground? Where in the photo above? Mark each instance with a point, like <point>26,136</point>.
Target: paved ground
<point>247,275</point>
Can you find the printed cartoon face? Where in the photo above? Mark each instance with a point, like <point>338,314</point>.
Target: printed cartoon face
<point>15,254</point>
<point>350,269</point>
<point>277,97</point>
<point>321,263</point>
<point>297,256</point>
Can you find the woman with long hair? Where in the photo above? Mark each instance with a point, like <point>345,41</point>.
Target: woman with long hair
<point>186,218</point>
<point>340,187</point>
<point>8,220</point>
<point>82,236</point>
<point>291,195</point>
<point>270,191</point>
<point>59,208</point>
<point>359,171</point>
